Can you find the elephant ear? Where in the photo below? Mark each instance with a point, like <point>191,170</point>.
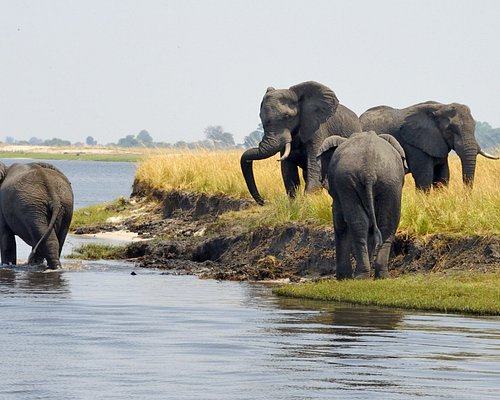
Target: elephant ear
<point>3,171</point>
<point>393,141</point>
<point>317,103</point>
<point>41,164</point>
<point>423,130</point>
<point>326,151</point>
<point>331,142</point>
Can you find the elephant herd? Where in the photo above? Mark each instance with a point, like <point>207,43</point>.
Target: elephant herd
<point>361,161</point>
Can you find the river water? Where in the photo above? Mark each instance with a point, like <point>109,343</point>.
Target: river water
<point>93,330</point>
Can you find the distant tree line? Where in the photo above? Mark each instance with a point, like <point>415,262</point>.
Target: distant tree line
<point>216,138</point>
<point>34,141</point>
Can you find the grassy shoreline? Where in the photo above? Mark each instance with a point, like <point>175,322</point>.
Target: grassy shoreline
<point>457,292</point>
<point>452,211</point>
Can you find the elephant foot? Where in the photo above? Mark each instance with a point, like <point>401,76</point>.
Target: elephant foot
<point>362,275</point>
<point>383,274</point>
<point>343,274</point>
<point>343,271</point>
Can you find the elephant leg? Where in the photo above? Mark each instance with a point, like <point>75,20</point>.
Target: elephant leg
<point>313,167</point>
<point>358,225</point>
<point>441,175</point>
<point>342,244</point>
<point>50,249</point>
<point>290,174</point>
<point>36,259</point>
<point>388,211</point>
<point>63,232</point>
<point>8,246</point>
<point>371,243</point>
<point>421,166</point>
<point>360,246</point>
<point>382,258</point>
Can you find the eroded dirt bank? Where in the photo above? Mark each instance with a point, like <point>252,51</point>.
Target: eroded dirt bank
<point>186,233</point>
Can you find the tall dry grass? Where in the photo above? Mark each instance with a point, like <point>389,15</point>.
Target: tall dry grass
<point>208,171</point>
<point>453,209</point>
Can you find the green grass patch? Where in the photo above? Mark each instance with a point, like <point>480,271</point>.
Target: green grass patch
<point>98,214</point>
<point>93,251</point>
<point>72,156</point>
<point>458,292</point>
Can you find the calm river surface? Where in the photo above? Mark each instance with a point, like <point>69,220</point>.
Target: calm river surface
<point>94,331</point>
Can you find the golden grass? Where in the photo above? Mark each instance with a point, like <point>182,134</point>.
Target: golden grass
<point>453,210</point>
<point>208,171</point>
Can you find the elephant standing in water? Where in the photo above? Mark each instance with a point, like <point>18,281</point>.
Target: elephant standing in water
<point>365,175</point>
<point>296,121</point>
<point>36,204</point>
<point>428,132</point>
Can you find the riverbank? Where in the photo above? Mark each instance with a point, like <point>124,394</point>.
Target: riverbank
<point>213,237</point>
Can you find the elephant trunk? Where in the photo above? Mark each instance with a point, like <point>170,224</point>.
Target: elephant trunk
<point>269,146</point>
<point>468,157</point>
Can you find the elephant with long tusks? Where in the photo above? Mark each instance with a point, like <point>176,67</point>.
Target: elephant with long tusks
<point>295,122</point>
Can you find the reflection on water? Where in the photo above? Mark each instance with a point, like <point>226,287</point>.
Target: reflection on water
<point>96,331</point>
<point>31,281</point>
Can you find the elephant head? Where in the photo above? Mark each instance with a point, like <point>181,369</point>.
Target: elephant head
<point>288,116</point>
<point>438,128</point>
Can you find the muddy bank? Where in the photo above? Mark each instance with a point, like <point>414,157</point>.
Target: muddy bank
<point>186,235</point>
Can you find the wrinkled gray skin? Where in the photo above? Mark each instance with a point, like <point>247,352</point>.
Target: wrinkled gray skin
<point>302,116</point>
<point>428,132</point>
<point>365,174</point>
<point>36,204</point>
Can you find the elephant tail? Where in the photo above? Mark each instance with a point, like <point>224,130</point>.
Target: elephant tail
<point>56,210</point>
<point>370,207</point>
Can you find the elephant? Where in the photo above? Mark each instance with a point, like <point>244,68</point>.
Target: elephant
<point>365,175</point>
<point>428,132</point>
<point>36,204</point>
<point>295,122</point>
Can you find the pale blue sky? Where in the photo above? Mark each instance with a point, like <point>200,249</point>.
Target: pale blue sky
<point>71,69</point>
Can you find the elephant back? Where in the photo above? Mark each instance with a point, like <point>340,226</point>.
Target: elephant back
<point>344,122</point>
<point>382,119</point>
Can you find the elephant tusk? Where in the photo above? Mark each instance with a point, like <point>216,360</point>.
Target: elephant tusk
<point>288,147</point>
<point>487,155</point>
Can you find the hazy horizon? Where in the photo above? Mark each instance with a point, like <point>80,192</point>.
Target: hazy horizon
<point>109,69</point>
